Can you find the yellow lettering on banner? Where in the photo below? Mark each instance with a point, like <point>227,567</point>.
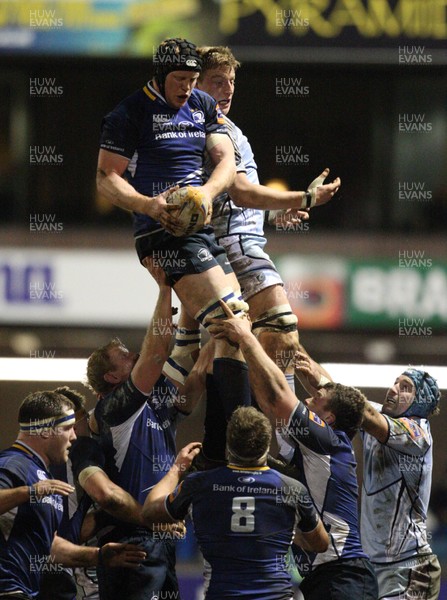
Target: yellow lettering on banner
<point>384,17</point>
<point>328,18</point>
<point>353,13</point>
<point>312,11</point>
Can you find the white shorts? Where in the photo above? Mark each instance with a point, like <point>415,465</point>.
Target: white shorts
<point>252,266</point>
<point>416,578</point>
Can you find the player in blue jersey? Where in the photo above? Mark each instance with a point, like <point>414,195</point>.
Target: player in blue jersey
<point>244,514</point>
<point>137,415</point>
<point>155,140</point>
<point>317,441</point>
<point>31,505</point>
<point>85,471</point>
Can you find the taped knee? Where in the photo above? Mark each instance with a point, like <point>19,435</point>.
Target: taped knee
<point>180,362</point>
<point>213,309</point>
<point>276,319</point>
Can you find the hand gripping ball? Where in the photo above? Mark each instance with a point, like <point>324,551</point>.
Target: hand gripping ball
<point>193,211</point>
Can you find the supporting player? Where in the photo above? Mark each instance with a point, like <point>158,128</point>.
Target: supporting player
<point>244,514</point>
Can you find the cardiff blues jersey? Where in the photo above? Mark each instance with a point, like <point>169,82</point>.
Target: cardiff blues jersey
<point>26,531</point>
<point>138,435</point>
<point>243,520</point>
<point>396,490</point>
<point>228,218</point>
<point>165,145</point>
<point>327,467</point>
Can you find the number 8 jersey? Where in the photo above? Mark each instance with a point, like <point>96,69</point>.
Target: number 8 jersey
<point>244,520</point>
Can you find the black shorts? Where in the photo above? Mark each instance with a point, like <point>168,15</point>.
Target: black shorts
<point>180,256</point>
<point>344,579</point>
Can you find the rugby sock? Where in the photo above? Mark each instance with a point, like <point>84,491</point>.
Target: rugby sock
<point>215,425</point>
<point>180,361</point>
<point>231,377</point>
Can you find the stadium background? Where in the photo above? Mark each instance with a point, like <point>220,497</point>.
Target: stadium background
<point>358,86</point>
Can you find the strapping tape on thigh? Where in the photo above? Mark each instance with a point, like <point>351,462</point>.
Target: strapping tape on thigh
<point>279,318</point>
<point>213,309</point>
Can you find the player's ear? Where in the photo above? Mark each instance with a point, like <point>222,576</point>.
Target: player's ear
<point>111,378</point>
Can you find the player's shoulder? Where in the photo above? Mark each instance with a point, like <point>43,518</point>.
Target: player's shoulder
<point>18,463</point>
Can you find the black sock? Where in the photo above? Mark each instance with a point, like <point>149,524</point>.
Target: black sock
<point>231,380</point>
<point>215,424</point>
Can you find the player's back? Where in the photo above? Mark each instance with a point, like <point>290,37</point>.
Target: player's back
<point>244,520</point>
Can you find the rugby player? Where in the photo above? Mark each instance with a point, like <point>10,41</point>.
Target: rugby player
<point>245,514</point>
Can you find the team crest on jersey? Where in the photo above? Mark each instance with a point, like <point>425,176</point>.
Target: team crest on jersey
<point>41,474</point>
<point>204,255</point>
<point>412,427</point>
<point>198,116</point>
<point>316,419</point>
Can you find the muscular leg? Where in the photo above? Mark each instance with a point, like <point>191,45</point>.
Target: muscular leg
<point>279,344</point>
<point>195,291</point>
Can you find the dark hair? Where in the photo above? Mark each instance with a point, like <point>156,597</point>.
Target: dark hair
<point>78,400</point>
<point>347,404</point>
<point>43,405</point>
<point>249,434</point>
<point>98,365</point>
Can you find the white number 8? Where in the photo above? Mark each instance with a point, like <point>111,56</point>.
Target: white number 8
<point>243,519</point>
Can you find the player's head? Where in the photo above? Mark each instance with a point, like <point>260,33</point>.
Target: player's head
<point>414,394</point>
<point>81,414</point>
<point>46,420</point>
<point>340,406</point>
<point>249,435</point>
<point>109,365</point>
<point>177,65</point>
<point>218,74</point>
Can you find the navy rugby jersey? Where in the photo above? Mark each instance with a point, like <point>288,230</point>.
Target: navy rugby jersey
<point>138,435</point>
<point>165,145</point>
<point>327,467</point>
<point>244,520</point>
<point>27,531</point>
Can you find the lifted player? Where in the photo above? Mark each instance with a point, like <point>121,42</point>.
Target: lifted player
<point>155,140</point>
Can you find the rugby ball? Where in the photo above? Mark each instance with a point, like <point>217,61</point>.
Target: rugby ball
<point>193,209</point>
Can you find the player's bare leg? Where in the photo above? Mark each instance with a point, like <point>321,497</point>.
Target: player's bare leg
<point>275,326</point>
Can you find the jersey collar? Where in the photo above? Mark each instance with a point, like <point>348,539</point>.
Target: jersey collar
<point>152,93</point>
<point>19,445</point>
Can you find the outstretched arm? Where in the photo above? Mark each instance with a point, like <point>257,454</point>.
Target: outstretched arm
<point>251,195</point>
<point>155,347</point>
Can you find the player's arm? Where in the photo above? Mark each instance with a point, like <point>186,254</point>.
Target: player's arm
<point>155,348</point>
<point>11,497</point>
<point>109,496</point>
<point>251,195</point>
<point>375,423</point>
<point>275,398</point>
<point>310,373</point>
<point>221,151</point>
<point>113,555</point>
<point>316,540</point>
<point>191,392</point>
<point>111,184</point>
<point>154,509</point>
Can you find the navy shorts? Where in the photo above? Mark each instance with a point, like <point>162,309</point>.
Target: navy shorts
<point>344,579</point>
<point>179,256</point>
<point>155,575</point>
